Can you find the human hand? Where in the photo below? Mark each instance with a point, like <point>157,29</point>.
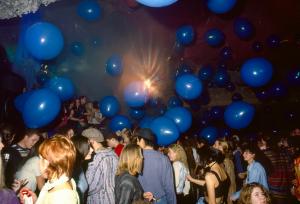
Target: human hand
<point>18,184</point>
<point>188,177</point>
<point>27,196</point>
<point>148,195</point>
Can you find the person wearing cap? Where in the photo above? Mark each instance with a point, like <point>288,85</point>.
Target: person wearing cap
<point>101,170</point>
<point>113,141</point>
<point>157,176</point>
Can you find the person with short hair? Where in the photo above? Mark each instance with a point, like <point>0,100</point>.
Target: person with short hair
<point>101,170</point>
<point>112,141</point>
<point>157,176</point>
<point>254,193</point>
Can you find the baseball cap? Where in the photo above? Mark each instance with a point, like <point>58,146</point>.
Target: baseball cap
<point>145,133</point>
<point>93,133</point>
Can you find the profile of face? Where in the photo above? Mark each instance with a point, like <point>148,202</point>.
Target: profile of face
<point>258,196</point>
<point>31,140</point>
<point>1,144</point>
<point>248,156</point>
<point>44,163</point>
<point>70,133</point>
<point>110,142</point>
<point>218,146</point>
<point>171,155</point>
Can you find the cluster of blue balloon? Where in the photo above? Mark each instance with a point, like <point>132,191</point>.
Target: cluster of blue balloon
<point>185,35</point>
<point>109,106</point>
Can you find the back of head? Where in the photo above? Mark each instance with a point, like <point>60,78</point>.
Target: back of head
<point>131,160</point>
<point>60,152</point>
<point>180,154</point>
<point>210,155</point>
<point>147,135</point>
<point>82,146</point>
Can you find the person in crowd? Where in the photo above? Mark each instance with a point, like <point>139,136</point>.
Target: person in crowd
<point>239,164</point>
<point>57,159</point>
<point>157,176</point>
<point>216,181</point>
<point>93,115</point>
<point>8,134</point>
<point>279,179</point>
<point>127,137</point>
<point>83,152</point>
<point>255,171</point>
<point>112,141</point>
<point>66,130</point>
<point>178,156</point>
<point>254,193</point>
<point>101,170</point>
<point>31,172</point>
<point>128,189</point>
<point>7,196</point>
<point>76,117</point>
<point>228,165</point>
<point>17,154</point>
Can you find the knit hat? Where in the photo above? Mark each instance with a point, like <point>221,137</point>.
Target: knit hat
<point>94,134</point>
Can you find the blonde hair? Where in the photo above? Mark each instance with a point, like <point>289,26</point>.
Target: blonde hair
<point>180,154</point>
<point>246,191</point>
<point>60,152</point>
<point>131,160</point>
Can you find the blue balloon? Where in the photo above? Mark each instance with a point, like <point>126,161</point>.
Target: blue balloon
<point>210,134</point>
<point>294,77</point>
<point>278,90</point>
<point>119,122</point>
<point>236,97</point>
<point>183,69</point>
<point>185,35</point>
<point>136,94</point>
<point>257,46</point>
<point>256,72</point>
<point>77,48</point>
<point>273,41</point>
<point>114,65</point>
<point>226,53</point>
<point>136,113</point>
<point>109,106</point>
<point>239,114</point>
<point>146,122</point>
<point>181,117</point>
<point>220,6</point>
<point>216,112</point>
<point>44,41</point>
<point>221,78</point>
<point>205,73</point>
<point>165,131</point>
<point>63,87</point>
<point>214,37</point>
<point>174,101</point>
<point>41,108</point>
<point>21,99</point>
<point>230,86</point>
<point>262,94</point>
<point>89,10</point>
<point>243,28</point>
<point>156,3</point>
<point>188,86</point>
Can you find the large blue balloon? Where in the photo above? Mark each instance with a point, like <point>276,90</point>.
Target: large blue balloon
<point>109,106</point>
<point>214,37</point>
<point>243,28</point>
<point>114,65</point>
<point>239,114</point>
<point>137,113</point>
<point>136,94</point>
<point>63,87</point>
<point>185,35</point>
<point>44,41</point>
<point>181,117</point>
<point>146,122</point>
<point>188,86</point>
<point>165,130</point>
<point>220,6</point>
<point>205,73</point>
<point>256,72</point>
<point>20,100</point>
<point>174,101</point>
<point>77,48</point>
<point>156,3</point>
<point>41,108</point>
<point>89,10</point>
<point>221,78</point>
<point>210,134</point>
<point>119,122</point>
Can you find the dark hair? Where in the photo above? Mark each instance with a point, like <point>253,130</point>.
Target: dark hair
<point>82,146</point>
<point>64,129</point>
<point>210,155</point>
<point>149,143</point>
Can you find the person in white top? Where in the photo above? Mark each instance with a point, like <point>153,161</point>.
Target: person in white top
<point>57,158</point>
<point>178,156</point>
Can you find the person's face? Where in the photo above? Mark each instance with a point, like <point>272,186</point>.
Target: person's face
<point>110,143</point>
<point>248,156</point>
<point>171,155</point>
<point>44,163</point>
<point>8,137</point>
<point>83,100</point>
<point>31,140</point>
<point>140,142</point>
<point>70,133</point>
<point>258,196</point>
<point>1,144</point>
<point>218,146</point>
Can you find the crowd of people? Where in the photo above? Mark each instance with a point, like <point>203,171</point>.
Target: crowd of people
<point>81,162</point>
